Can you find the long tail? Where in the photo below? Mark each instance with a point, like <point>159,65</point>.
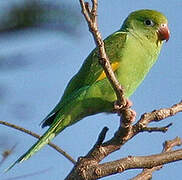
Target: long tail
<point>45,139</point>
<point>64,117</point>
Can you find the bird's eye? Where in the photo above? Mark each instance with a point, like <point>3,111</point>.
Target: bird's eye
<point>149,22</point>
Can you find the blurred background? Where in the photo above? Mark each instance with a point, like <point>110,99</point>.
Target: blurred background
<point>42,45</point>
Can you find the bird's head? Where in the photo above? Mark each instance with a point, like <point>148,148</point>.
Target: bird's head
<point>149,23</point>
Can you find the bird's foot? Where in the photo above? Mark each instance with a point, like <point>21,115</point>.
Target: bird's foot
<point>118,107</point>
<point>129,103</point>
<point>130,113</point>
<point>128,117</point>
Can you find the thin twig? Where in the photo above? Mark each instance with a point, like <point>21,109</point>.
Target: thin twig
<point>146,174</point>
<point>102,136</point>
<point>158,115</point>
<point>58,149</point>
<point>157,129</point>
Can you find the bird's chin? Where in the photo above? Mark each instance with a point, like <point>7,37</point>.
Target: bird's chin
<point>159,42</point>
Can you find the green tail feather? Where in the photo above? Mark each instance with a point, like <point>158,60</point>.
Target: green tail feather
<point>58,120</point>
<point>45,139</point>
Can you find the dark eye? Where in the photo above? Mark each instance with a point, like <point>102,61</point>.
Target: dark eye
<point>149,22</point>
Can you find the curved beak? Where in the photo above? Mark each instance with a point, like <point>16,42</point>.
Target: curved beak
<point>163,32</point>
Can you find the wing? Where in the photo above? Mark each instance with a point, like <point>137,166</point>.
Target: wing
<point>91,71</point>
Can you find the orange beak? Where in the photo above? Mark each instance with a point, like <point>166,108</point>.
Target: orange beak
<point>163,32</point>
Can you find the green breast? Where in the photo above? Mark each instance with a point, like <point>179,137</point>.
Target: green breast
<point>138,56</point>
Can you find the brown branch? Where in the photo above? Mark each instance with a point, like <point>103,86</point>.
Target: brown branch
<point>86,164</point>
<point>122,135</point>
<point>157,129</point>
<point>58,149</point>
<point>102,136</point>
<point>96,171</point>
<point>137,162</point>
<point>158,115</point>
<point>146,174</point>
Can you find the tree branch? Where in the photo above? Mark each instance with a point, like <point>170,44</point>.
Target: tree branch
<point>96,171</point>
<point>58,149</point>
<point>158,115</point>
<point>135,162</point>
<point>123,135</point>
<point>146,174</point>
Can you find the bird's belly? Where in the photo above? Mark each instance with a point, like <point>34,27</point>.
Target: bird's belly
<point>134,66</point>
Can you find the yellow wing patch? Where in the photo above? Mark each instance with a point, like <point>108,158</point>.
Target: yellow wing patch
<point>114,67</point>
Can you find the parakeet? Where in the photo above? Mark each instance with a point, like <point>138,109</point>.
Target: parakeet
<point>132,50</point>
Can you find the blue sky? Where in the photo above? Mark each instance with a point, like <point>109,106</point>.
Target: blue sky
<point>40,86</point>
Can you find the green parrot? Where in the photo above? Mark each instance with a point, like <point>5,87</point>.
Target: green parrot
<point>132,50</point>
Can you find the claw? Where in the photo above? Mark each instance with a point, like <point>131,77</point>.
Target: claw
<point>129,103</point>
<point>132,113</point>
